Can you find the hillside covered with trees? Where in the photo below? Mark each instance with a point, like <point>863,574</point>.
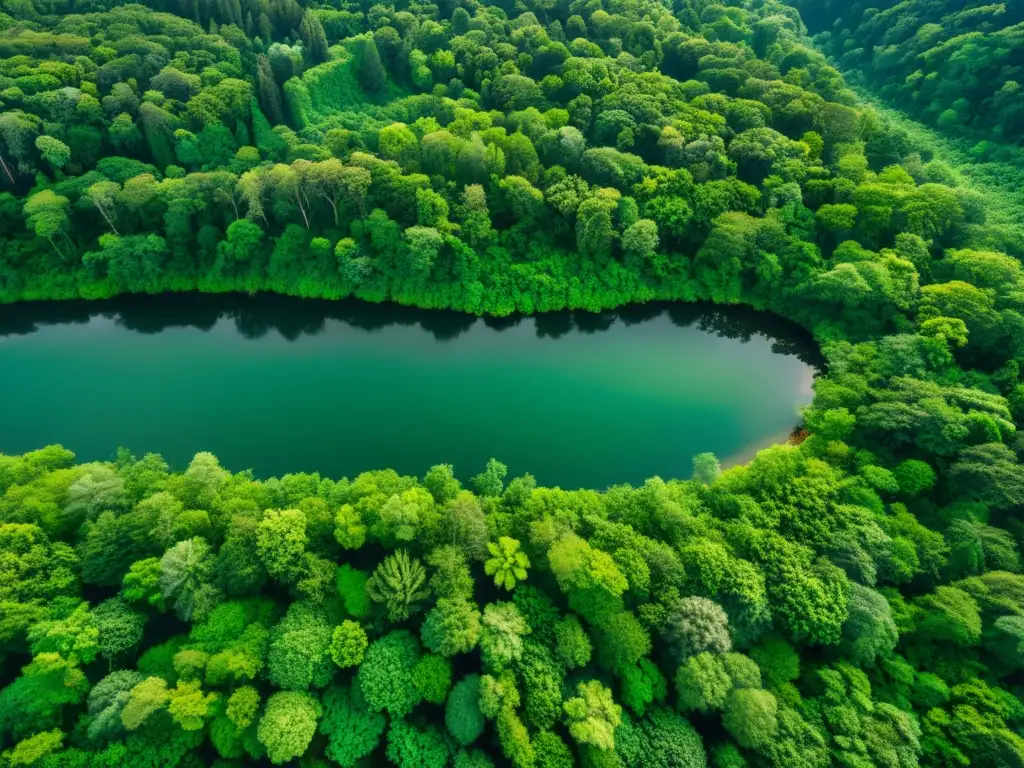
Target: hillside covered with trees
<point>854,601</point>
<point>956,65</point>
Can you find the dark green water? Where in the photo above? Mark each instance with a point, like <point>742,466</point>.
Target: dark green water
<point>281,385</point>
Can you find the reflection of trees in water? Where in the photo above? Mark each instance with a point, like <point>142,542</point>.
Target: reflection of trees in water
<point>255,316</point>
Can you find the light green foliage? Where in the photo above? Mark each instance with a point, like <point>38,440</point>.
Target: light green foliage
<point>33,749</point>
<point>399,583</point>
<point>702,683</point>
<point>145,699</point>
<point>490,482</point>
<point>348,644</point>
<point>751,717</point>
<point>188,706</point>
<point>516,160</point>
<point>706,468</point>
<point>71,632</point>
<point>242,706</point>
<point>501,639</point>
<point>592,715</point>
<point>288,724</point>
<point>281,541</point>
<point>572,644</point>
<point>507,564</point>
<point>451,627</point>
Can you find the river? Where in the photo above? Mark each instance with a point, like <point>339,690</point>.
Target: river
<point>282,385</point>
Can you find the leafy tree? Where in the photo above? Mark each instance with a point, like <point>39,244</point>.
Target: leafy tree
<point>432,677</point>
<point>573,646</point>
<point>410,746</point>
<point>462,712</point>
<point>352,730</point>
<point>348,644</point>
<point>507,564</point>
<point>592,716</point>
<point>186,570</point>
<point>694,625</point>
<point>501,637</point>
<point>399,583</point>
<point>299,655</point>
<point>452,627</point>
<point>288,725</point>
<point>385,677</point>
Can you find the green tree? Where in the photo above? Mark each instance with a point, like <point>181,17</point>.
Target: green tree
<point>385,677</point>
<point>288,725</point>
<point>507,564</point>
<point>348,644</point>
<point>399,583</point>
<point>592,716</point>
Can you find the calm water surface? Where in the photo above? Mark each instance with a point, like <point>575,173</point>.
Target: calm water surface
<point>283,385</point>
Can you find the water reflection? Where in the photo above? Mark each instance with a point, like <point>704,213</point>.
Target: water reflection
<point>256,316</point>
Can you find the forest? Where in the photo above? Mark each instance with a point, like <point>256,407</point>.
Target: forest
<point>855,600</point>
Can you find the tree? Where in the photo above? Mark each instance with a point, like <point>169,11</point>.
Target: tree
<point>409,746</point>
<point>38,697</point>
<point>106,701</point>
<point>385,677</point>
<point>571,642</point>
<point>188,706</point>
<point>352,730</point>
<point>120,628</point>
<point>54,151</point>
<point>186,570</point>
<point>501,639</point>
<point>462,713</point>
<point>507,564</point>
<point>432,677</point>
<point>351,586</point>
<point>490,482</point>
<point>452,627</point>
<point>621,642</point>
<point>706,468</point>
<point>372,75</point>
<point>751,717</point>
<point>299,655</point>
<point>592,715</point>
<point>281,541</point>
<point>147,698</point>
<point>46,214</point>
<point>348,644</point>
<point>69,631</point>
<point>869,630</point>
<point>288,724</point>
<point>702,683</point>
<point>399,583</point>
<point>695,625</point>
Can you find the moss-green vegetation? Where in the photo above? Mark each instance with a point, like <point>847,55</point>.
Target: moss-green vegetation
<point>853,601</point>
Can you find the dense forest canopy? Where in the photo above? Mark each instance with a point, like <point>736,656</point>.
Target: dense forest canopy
<point>956,64</point>
<point>854,601</point>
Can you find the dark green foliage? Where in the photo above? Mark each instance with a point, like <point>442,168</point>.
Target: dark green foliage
<point>386,676</point>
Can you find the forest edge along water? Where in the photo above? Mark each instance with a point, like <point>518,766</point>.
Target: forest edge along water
<point>283,385</point>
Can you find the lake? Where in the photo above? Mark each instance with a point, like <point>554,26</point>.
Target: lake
<point>281,385</point>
